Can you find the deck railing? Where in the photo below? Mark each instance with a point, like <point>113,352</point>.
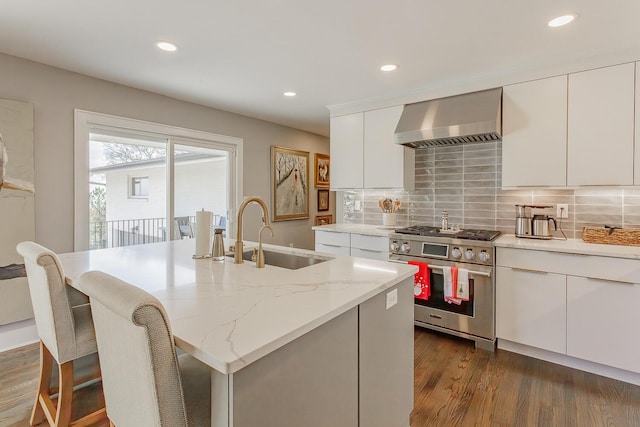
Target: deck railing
<point>126,232</point>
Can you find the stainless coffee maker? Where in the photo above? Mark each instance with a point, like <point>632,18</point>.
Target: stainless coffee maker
<point>523,221</point>
<point>533,226</point>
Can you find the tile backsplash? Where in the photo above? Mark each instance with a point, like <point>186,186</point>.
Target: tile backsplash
<point>465,180</point>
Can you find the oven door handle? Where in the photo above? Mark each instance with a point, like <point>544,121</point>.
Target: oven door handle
<point>439,267</point>
<point>473,272</point>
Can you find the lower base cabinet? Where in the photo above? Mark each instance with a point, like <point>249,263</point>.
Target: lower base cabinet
<point>356,370</point>
<point>603,322</point>
<point>581,306</point>
<point>386,359</point>
<point>531,308</point>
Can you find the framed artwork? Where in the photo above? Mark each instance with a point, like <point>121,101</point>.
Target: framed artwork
<point>324,219</point>
<point>290,170</point>
<point>323,200</point>
<point>321,168</point>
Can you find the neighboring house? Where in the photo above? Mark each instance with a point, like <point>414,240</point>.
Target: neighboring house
<point>136,196</point>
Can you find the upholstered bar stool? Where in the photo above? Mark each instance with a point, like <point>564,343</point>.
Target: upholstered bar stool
<point>145,384</point>
<point>65,329</point>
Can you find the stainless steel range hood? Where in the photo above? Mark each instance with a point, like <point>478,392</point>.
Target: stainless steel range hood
<point>461,119</point>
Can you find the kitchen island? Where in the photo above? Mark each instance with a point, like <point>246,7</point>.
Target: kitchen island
<point>328,344</point>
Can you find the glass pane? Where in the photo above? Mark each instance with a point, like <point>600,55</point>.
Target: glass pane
<point>200,182</point>
<point>127,190</point>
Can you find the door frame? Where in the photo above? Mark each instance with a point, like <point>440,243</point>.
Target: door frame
<point>86,121</point>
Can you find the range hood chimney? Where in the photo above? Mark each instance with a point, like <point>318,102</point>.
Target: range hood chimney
<point>461,119</point>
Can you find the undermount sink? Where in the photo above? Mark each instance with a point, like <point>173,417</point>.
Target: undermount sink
<point>286,260</point>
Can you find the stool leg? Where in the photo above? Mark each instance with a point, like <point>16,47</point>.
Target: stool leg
<point>46,363</point>
<point>65,394</point>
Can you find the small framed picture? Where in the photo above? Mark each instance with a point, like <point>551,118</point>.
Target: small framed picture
<point>323,200</point>
<point>322,179</point>
<point>324,219</point>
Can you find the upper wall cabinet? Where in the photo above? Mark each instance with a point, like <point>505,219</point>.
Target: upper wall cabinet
<point>363,154</point>
<point>601,126</point>
<point>386,164</point>
<point>534,137</point>
<point>347,145</point>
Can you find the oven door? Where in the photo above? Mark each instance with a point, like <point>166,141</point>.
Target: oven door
<point>474,317</point>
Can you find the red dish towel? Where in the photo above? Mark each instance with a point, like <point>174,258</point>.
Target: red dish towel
<point>421,280</point>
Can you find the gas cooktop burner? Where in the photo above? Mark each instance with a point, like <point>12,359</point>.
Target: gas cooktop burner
<point>427,230</point>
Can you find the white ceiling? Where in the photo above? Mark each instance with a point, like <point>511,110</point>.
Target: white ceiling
<point>241,55</point>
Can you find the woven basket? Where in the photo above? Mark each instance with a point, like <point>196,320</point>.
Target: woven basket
<point>619,236</point>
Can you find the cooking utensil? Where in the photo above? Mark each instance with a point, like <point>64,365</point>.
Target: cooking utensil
<point>386,205</point>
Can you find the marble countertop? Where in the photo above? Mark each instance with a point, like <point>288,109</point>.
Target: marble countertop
<point>229,315</point>
<point>572,246</point>
<point>371,230</point>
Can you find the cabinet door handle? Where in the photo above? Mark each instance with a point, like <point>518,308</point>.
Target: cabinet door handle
<point>333,246</point>
<point>619,282</point>
<point>525,270</point>
<point>368,250</point>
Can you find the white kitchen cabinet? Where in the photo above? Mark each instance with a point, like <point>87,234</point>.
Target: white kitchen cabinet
<point>531,308</point>
<point>363,154</point>
<point>600,132</point>
<point>372,247</point>
<point>581,306</point>
<point>354,244</point>
<point>602,322</point>
<point>347,145</point>
<point>333,243</point>
<point>534,125</point>
<point>386,164</point>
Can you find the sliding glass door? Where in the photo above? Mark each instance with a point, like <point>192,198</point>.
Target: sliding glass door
<point>145,187</point>
<point>201,182</point>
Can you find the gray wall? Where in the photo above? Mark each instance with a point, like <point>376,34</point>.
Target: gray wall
<point>466,181</point>
<point>55,93</point>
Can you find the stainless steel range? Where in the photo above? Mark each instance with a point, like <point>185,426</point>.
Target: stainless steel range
<point>472,250</point>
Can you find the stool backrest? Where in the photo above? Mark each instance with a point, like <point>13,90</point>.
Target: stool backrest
<point>51,306</point>
<point>140,372</point>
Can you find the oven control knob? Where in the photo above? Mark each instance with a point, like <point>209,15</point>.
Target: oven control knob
<point>405,248</point>
<point>456,253</point>
<point>484,256</point>
<point>394,246</point>
<point>469,254</point>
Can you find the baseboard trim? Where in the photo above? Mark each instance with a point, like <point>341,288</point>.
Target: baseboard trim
<point>18,334</point>
<point>571,362</point>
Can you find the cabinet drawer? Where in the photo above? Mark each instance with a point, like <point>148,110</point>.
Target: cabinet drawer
<point>371,254</point>
<point>332,249</point>
<point>596,267</point>
<point>375,243</point>
<point>335,239</point>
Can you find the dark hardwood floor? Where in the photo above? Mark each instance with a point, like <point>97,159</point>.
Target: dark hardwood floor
<point>455,385</point>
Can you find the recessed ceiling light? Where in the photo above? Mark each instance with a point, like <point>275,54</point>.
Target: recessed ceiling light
<point>166,46</point>
<point>388,67</point>
<point>561,20</point>
<point>290,93</point>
